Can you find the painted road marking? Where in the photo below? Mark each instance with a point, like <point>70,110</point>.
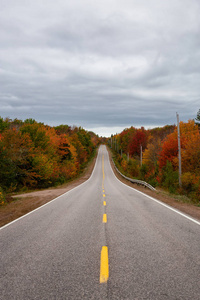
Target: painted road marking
<point>103,166</point>
<point>104,266</point>
<point>103,172</point>
<point>104,218</point>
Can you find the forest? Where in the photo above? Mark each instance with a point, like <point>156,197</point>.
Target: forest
<point>34,155</point>
<point>152,156</point>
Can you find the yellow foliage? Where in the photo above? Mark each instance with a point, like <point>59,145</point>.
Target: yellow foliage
<point>150,155</point>
<point>124,164</point>
<point>43,166</point>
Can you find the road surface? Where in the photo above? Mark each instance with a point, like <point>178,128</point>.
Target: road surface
<point>101,240</point>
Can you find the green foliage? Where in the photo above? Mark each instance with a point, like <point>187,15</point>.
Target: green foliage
<point>187,181</point>
<point>152,181</point>
<point>29,121</point>
<point>3,125</point>
<point>191,185</point>
<point>63,129</point>
<point>170,178</point>
<point>37,134</point>
<point>198,116</point>
<point>128,167</point>
<point>15,156</point>
<point>143,171</point>
<point>85,139</point>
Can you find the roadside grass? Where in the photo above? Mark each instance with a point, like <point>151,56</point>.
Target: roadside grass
<point>178,197</point>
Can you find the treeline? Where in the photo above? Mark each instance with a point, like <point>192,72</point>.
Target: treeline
<point>36,155</point>
<point>152,156</point>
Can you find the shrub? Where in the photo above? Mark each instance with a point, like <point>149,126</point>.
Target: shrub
<point>169,177</point>
<point>187,181</point>
<point>143,171</point>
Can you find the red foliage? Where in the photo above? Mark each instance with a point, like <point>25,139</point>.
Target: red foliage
<point>169,150</point>
<point>138,139</point>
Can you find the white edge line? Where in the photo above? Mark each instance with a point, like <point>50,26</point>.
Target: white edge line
<point>158,201</point>
<point>32,211</point>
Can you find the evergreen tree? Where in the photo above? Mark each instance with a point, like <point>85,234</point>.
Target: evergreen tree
<point>198,116</point>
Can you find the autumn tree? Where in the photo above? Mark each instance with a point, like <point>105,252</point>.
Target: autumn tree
<point>16,153</point>
<point>139,139</point>
<point>63,129</point>
<point>33,154</point>
<point>151,153</point>
<point>125,137</point>
<point>190,151</point>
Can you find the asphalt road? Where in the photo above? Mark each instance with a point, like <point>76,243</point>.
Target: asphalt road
<point>55,251</point>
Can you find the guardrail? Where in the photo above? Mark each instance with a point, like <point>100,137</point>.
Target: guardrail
<point>135,180</point>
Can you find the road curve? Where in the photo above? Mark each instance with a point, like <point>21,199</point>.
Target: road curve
<point>101,240</point>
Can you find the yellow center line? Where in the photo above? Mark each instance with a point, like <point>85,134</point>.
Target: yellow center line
<point>103,166</point>
<point>103,172</point>
<point>104,218</point>
<point>104,266</point>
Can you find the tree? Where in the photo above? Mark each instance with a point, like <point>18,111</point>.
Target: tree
<point>16,154</point>
<point>33,154</point>
<point>151,154</point>
<point>63,129</point>
<point>198,117</point>
<point>125,137</point>
<point>139,139</point>
<point>169,150</point>
<point>29,121</point>
<point>3,125</point>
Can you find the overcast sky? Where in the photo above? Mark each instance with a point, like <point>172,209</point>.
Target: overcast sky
<point>103,65</point>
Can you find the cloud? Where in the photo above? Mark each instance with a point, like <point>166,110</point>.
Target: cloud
<point>104,64</point>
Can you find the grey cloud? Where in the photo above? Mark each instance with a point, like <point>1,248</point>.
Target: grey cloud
<point>99,65</point>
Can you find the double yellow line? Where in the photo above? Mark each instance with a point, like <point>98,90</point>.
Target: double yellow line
<point>104,265</point>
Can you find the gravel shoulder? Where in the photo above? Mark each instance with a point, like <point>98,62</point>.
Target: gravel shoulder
<point>24,203</point>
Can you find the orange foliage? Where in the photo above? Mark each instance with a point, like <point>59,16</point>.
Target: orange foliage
<point>160,155</point>
<point>34,154</point>
<point>189,136</point>
<point>169,150</point>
